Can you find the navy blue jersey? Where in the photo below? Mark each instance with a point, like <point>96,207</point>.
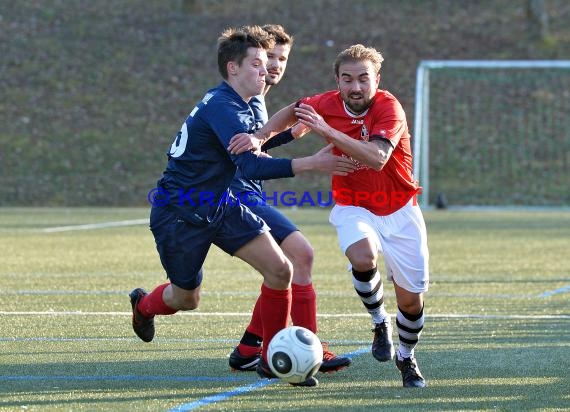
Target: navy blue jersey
<point>200,169</point>
<point>257,104</point>
<point>242,184</point>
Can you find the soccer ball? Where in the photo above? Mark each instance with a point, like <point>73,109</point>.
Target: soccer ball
<point>295,354</point>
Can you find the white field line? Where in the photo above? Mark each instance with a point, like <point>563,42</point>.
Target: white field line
<point>101,225</point>
<point>321,315</point>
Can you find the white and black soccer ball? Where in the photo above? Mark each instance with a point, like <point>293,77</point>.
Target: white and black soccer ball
<point>295,354</point>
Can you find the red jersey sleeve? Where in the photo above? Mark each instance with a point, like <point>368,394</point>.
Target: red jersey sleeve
<point>389,120</point>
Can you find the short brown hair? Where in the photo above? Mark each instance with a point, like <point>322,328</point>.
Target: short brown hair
<point>279,34</point>
<point>358,53</point>
<point>233,44</point>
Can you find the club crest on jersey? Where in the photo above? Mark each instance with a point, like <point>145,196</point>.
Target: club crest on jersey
<point>364,133</point>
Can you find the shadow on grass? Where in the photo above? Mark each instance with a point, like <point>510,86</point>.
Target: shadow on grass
<point>110,382</point>
<point>510,378</point>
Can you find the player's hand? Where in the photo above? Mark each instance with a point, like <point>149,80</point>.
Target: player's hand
<point>242,142</point>
<point>310,118</point>
<point>325,161</point>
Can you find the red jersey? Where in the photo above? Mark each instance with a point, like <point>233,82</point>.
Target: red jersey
<point>385,191</point>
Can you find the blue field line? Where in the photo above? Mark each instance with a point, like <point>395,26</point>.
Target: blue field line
<point>159,340</point>
<point>243,389</point>
<point>356,352</point>
<point>249,294</point>
<point>118,339</point>
<point>549,293</point>
<point>123,378</point>
<point>25,292</point>
<point>222,396</point>
<point>61,292</point>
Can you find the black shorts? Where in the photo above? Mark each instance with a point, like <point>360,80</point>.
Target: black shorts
<point>183,246</point>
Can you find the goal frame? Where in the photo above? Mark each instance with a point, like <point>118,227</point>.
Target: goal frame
<point>422,101</point>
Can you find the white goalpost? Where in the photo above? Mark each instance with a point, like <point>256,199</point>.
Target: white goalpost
<point>493,133</point>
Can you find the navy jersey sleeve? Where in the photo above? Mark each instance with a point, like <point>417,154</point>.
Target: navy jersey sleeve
<point>228,117</point>
<point>259,109</point>
<point>257,104</point>
<point>279,139</point>
<point>263,168</point>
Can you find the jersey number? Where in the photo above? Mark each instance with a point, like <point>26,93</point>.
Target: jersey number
<point>179,145</point>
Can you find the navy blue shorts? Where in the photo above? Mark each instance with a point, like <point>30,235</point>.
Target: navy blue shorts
<point>280,225</point>
<point>183,246</point>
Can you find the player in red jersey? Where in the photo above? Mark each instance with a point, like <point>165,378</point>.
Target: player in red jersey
<point>376,209</point>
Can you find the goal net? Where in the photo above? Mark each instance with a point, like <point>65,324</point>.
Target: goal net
<point>493,133</point>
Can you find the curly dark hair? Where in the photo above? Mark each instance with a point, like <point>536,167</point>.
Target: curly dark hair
<point>279,33</point>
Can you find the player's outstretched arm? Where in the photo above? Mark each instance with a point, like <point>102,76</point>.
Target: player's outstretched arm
<point>283,119</point>
<point>265,167</point>
<point>243,142</point>
<point>373,154</point>
<point>324,161</point>
<point>274,129</point>
<point>299,130</point>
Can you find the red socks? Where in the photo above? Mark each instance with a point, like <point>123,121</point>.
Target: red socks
<point>250,343</point>
<point>152,304</point>
<point>303,313</point>
<point>255,326</point>
<point>275,308</point>
<point>304,307</point>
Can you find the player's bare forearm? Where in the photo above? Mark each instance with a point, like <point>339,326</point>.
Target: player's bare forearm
<point>373,154</point>
<point>280,121</point>
<point>324,161</point>
<point>299,130</point>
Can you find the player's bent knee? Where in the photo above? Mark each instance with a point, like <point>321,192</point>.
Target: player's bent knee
<point>302,269</point>
<point>361,256</point>
<point>302,260</point>
<point>190,303</point>
<point>182,299</point>
<point>285,272</point>
<point>363,263</point>
<point>302,278</point>
<point>280,276</point>
<point>299,251</point>
<point>188,307</point>
<point>410,304</point>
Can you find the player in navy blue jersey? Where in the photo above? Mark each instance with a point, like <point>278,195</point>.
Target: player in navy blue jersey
<point>296,247</point>
<point>194,207</point>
